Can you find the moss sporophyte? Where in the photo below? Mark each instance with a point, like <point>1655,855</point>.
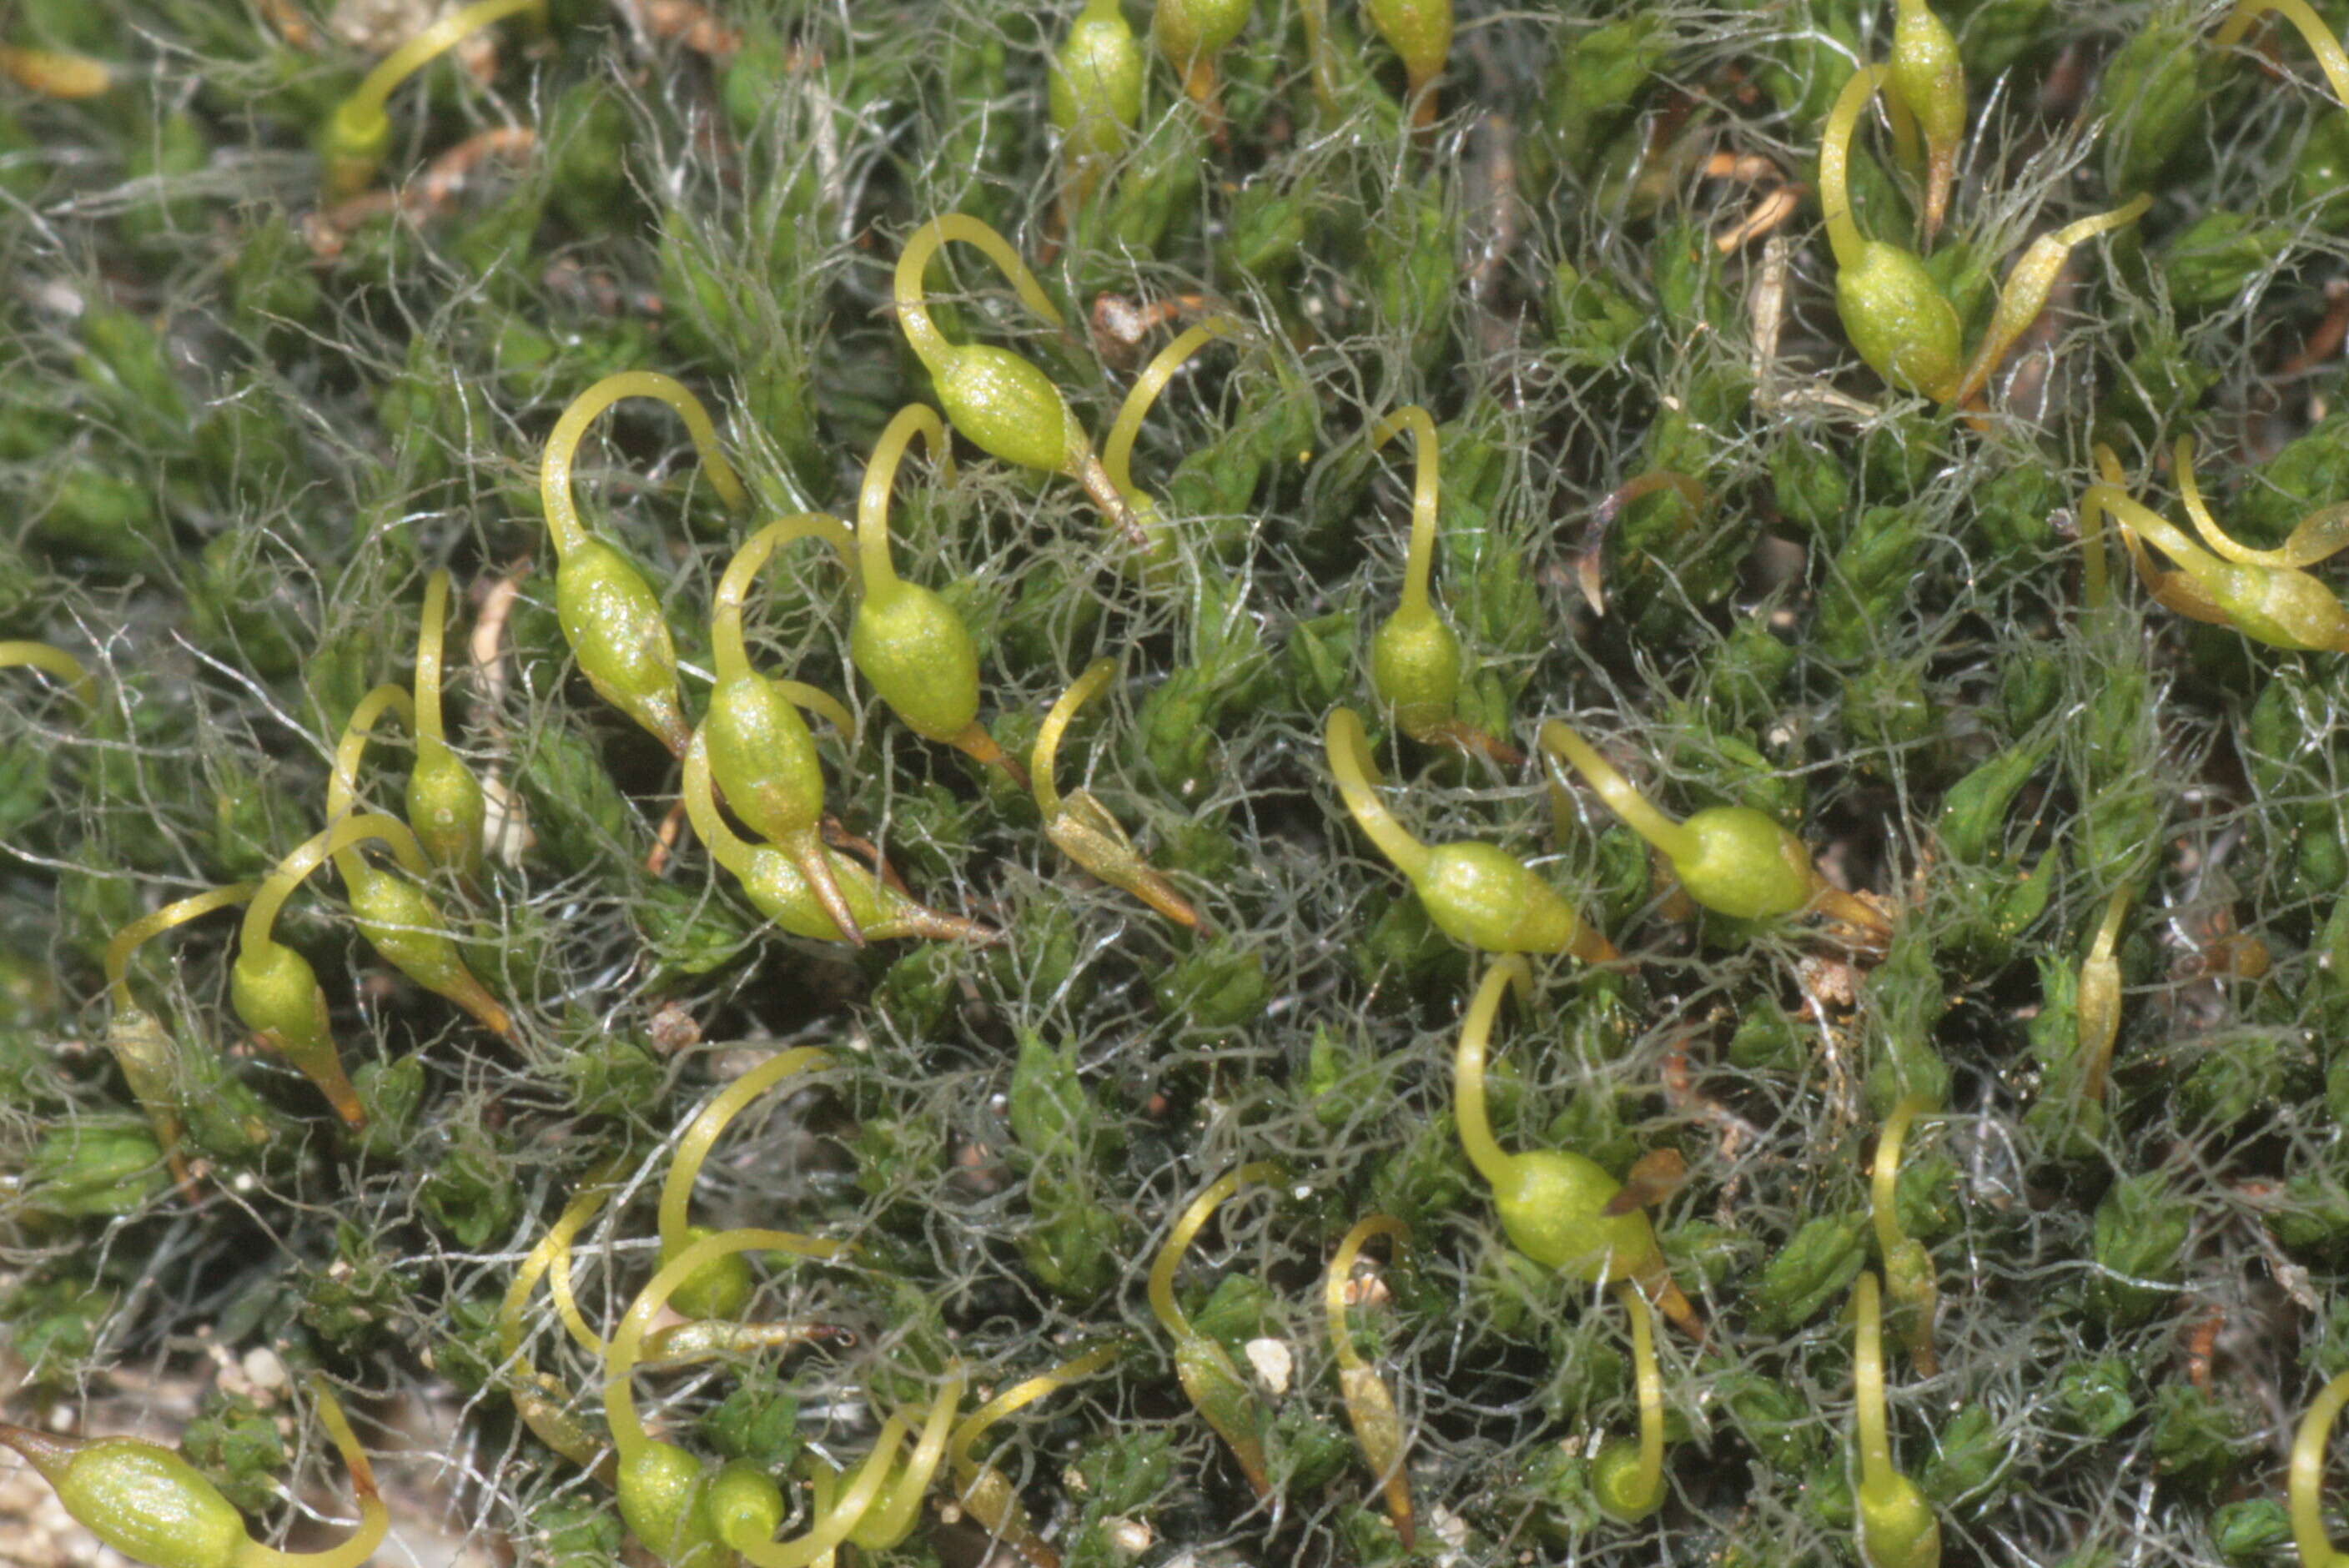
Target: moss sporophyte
<point>688,1514</point>
<point>2097,1001</point>
<point>147,1502</point>
<point>446,806</point>
<point>1370,1406</point>
<point>1898,1527</point>
<point>148,1057</point>
<point>1558,1207</point>
<point>1415,661</point>
<point>774,881</point>
<point>543,1402</point>
<point>1190,34</point>
<point>984,1492</point>
<point>1079,826</point>
<point>1734,859</point>
<point>398,919</point>
<point>693,1516</point>
<point>1908,1267</point>
<point>357,138</point>
<point>1005,405</point>
<point>722,1290</point>
<point>1218,1390</point>
<point>1095,97</point>
<point>763,756</point>
<point>1476,893</point>
<point>1420,31</point>
<point>1926,82</point>
<point>2266,595</point>
<point>609,614</point>
<point>273,988</point>
<point>1898,317</point>
<point>539,1398</point>
<point>907,642</point>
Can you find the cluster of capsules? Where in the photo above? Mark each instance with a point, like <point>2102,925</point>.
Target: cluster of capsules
<point>150,1502</point>
<point>354,140</point>
<point>1096,89</point>
<point>685,1510</point>
<point>272,988</point>
<point>751,748</point>
<point>751,754</point>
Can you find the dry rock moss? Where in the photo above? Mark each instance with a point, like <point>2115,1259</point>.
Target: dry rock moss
<point>241,424</point>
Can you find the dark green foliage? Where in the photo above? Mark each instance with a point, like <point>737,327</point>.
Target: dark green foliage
<point>236,1443</point>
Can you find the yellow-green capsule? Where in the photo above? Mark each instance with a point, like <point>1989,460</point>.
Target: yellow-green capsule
<point>400,921</point>
<point>147,1055</point>
<point>275,990</point>
<point>1369,1408</point>
<point>774,881</point>
<point>1420,31</point>
<point>664,1495</point>
<point>2263,594</point>
<point>763,757</point>
<point>609,614</point>
<point>908,642</point>
<point>1552,1202</point>
<point>276,993</point>
<point>1898,1528</point>
<point>150,1504</point>
<point>1216,1388</point>
<point>1191,32</point>
<point>613,621</point>
<point>446,806</point>
<point>1079,826</point>
<point>1898,320</point>
<point>398,917</point>
<point>1095,90</point>
<point>1896,315</point>
<point>744,1503</point>
<point>912,645</point>
<point>1475,893</point>
<point>1415,653</point>
<point>1556,1206</point>
<point>141,1499</point>
<point>761,754</point>
<point>1734,860</point>
<point>1005,404</point>
<point>1930,78</point>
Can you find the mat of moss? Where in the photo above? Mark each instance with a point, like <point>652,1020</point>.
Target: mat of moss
<point>240,426</point>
